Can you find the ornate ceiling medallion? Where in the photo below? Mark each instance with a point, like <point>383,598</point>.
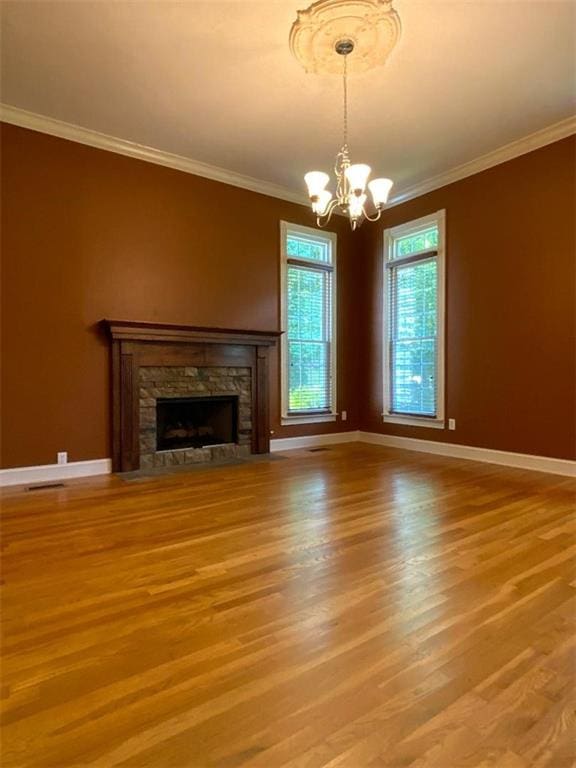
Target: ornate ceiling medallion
<point>373,26</point>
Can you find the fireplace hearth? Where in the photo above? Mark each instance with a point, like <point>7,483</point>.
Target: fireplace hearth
<point>196,422</point>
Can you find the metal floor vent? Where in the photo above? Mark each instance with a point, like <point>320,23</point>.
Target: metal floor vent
<point>315,450</point>
<point>44,486</point>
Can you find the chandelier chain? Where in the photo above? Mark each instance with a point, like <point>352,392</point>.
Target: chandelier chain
<point>345,100</point>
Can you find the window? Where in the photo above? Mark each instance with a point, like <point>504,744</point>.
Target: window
<point>414,322</point>
<point>308,322</point>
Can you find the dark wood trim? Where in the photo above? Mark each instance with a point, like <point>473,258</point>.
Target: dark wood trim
<point>262,413</point>
<point>127,330</point>
<point>298,414</point>
<point>127,426</point>
<point>116,412</point>
<point>325,266</point>
<point>158,343</point>
<point>411,259</point>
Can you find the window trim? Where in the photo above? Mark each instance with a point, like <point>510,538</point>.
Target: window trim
<point>411,227</point>
<point>306,417</point>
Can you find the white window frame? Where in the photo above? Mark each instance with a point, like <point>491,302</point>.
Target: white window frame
<point>304,418</point>
<point>390,235</point>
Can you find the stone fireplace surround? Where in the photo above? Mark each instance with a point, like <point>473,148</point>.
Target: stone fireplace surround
<point>192,381</point>
<point>152,360</point>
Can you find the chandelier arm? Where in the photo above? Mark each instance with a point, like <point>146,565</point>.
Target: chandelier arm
<point>333,204</point>
<point>323,219</point>
<point>372,218</point>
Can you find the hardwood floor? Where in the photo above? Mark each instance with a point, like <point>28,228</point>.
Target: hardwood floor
<point>356,607</point>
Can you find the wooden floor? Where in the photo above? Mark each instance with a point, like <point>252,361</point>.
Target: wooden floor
<point>352,607</point>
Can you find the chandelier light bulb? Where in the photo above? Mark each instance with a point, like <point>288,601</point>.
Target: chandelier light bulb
<point>380,189</point>
<point>356,206</point>
<point>357,176</point>
<point>321,204</point>
<point>316,182</point>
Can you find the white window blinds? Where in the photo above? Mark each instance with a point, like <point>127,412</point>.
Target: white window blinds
<point>309,362</point>
<point>413,353</point>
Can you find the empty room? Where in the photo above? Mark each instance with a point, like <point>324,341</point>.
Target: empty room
<point>288,383</point>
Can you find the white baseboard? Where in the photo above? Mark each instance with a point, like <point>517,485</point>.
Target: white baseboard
<point>48,473</point>
<point>55,472</point>
<point>505,458</point>
<point>312,441</point>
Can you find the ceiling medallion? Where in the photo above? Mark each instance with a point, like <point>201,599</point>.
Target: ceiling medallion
<point>326,38</point>
<point>373,26</point>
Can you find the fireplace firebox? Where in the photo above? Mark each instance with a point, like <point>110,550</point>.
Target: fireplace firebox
<point>196,422</point>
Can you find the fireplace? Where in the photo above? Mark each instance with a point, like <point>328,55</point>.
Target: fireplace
<point>158,367</point>
<point>196,422</point>
<point>191,414</point>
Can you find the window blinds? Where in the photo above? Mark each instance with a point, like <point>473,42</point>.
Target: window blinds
<point>309,324</point>
<point>413,325</point>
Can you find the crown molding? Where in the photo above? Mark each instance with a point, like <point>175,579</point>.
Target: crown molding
<point>522,146</point>
<point>62,130</point>
<point>43,124</point>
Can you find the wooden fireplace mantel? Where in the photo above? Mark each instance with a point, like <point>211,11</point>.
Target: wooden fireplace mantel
<point>127,330</point>
<point>136,344</point>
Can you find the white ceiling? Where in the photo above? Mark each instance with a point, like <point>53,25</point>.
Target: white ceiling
<point>214,80</point>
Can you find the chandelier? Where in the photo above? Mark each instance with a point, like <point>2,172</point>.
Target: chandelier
<point>351,178</point>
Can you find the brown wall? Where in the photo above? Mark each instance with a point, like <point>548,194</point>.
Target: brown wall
<point>87,235</point>
<point>510,346</point>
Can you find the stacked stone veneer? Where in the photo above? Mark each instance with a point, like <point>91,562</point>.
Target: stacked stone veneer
<point>172,381</point>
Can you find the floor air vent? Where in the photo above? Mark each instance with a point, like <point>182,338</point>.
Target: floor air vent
<point>315,450</point>
<point>44,486</point>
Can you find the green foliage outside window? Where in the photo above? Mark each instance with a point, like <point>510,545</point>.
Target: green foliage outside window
<point>422,241</point>
<point>414,338</point>
<point>308,315</point>
<point>301,248</point>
